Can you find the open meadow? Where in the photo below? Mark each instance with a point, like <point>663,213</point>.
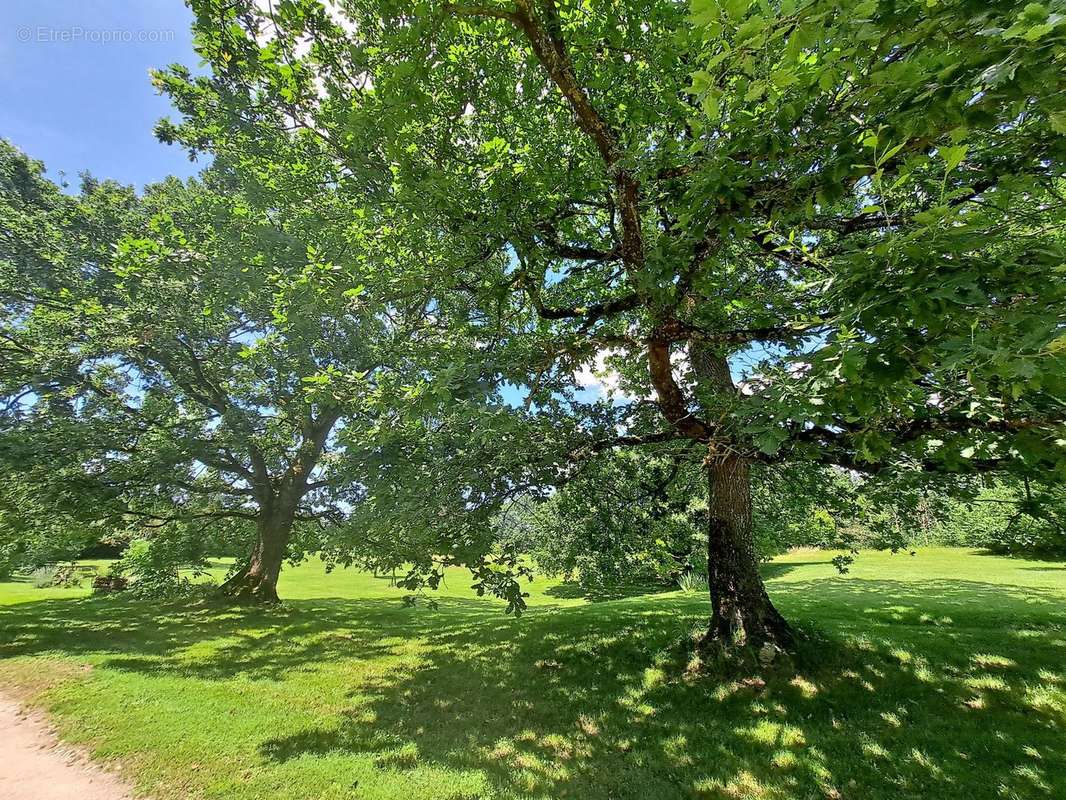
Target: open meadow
<point>939,675</point>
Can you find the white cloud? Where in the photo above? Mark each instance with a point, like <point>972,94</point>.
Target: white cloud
<point>599,377</point>
<point>605,381</point>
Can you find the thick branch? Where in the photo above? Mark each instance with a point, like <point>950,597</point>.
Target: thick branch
<point>874,221</point>
<point>162,520</point>
<point>545,38</point>
<point>589,314</point>
<point>671,400</point>
<point>635,440</point>
<point>554,244</point>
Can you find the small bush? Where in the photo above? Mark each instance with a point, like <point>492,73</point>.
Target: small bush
<point>693,583</point>
<point>1007,519</point>
<point>42,577</point>
<point>65,576</point>
<point>153,571</point>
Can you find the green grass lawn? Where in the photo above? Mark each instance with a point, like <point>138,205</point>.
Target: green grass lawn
<point>941,675</point>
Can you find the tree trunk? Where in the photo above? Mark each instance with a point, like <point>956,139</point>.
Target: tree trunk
<point>741,611</point>
<point>257,580</point>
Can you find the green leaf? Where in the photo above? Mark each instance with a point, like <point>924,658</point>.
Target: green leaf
<point>736,9</point>
<point>711,103</point>
<point>953,156</point>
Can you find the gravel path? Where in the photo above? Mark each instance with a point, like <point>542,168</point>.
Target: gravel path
<point>34,765</point>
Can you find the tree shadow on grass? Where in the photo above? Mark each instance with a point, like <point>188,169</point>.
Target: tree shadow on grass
<point>217,640</point>
<point>573,590</point>
<point>945,689</point>
<point>778,569</point>
<point>594,703</point>
<point>601,594</point>
<point>1055,557</point>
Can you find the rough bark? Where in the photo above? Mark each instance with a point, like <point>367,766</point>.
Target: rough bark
<point>257,580</point>
<point>279,499</point>
<point>741,611</point>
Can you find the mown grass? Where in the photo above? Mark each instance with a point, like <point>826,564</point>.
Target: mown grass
<point>941,675</point>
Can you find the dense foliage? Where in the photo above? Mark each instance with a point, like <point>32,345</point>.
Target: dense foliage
<point>813,249</point>
<point>863,197</point>
<point>627,520</point>
<point>164,357</point>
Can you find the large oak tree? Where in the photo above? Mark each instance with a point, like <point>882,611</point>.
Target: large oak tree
<point>184,357</point>
<point>864,196</point>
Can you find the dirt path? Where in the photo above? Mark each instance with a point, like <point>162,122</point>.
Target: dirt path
<point>34,765</point>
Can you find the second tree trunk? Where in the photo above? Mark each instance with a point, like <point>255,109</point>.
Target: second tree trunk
<point>257,580</point>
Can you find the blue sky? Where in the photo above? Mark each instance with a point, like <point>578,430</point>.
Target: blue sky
<point>74,86</point>
<point>75,91</point>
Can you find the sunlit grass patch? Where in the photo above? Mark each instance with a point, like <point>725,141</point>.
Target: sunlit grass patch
<point>345,693</point>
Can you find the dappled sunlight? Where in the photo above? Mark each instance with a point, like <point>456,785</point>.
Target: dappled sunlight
<point>884,699</point>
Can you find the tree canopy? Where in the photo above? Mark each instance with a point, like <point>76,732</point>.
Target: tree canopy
<point>821,232</point>
<point>164,355</point>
